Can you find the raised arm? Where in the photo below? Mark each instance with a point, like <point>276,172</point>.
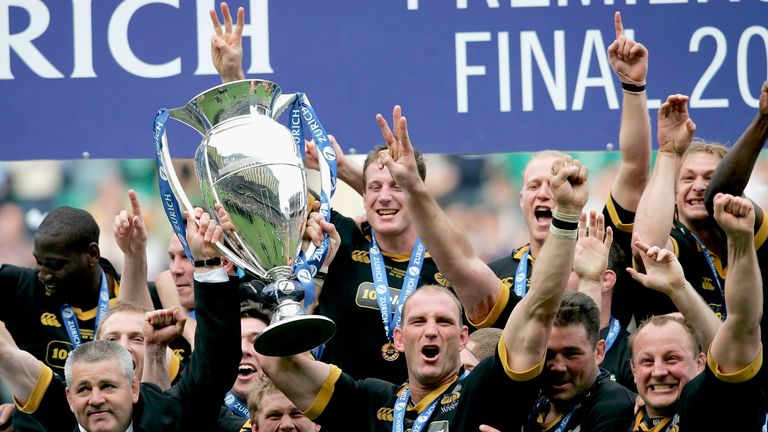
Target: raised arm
<point>227,44</point>
<point>18,369</point>
<point>737,344</point>
<point>348,171</point>
<point>161,327</point>
<point>590,261</point>
<point>528,327</point>
<point>474,282</point>
<point>131,237</point>
<point>629,61</point>
<point>734,171</point>
<point>665,274</point>
<point>656,210</point>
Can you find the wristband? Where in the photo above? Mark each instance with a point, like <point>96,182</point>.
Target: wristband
<point>565,217</point>
<point>562,233</point>
<point>563,225</point>
<point>633,88</point>
<point>208,262</point>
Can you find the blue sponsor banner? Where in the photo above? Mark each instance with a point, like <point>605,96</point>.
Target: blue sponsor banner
<point>473,76</point>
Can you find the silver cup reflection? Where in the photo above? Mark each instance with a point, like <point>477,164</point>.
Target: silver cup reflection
<point>250,164</point>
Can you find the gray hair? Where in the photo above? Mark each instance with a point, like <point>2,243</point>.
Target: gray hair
<point>98,351</point>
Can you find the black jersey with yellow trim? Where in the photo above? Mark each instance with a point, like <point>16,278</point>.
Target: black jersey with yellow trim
<point>34,318</point>
<point>714,401</point>
<point>463,405</point>
<point>349,299</point>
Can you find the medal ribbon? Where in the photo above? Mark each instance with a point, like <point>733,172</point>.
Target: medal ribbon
<point>170,204</point>
<point>398,422</point>
<point>715,276</point>
<point>381,283</point>
<point>521,275</point>
<point>236,405</point>
<point>70,318</point>
<point>613,332</point>
<point>303,116</point>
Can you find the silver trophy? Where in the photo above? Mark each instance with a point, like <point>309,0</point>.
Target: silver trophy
<point>250,164</point>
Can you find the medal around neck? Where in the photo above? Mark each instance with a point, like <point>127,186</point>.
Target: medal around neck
<point>389,352</point>
<point>251,165</point>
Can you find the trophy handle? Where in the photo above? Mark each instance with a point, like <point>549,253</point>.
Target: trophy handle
<point>282,103</point>
<point>180,195</point>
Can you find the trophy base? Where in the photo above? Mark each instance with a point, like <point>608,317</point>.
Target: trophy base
<point>294,335</point>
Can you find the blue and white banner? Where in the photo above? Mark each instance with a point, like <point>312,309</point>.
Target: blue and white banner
<point>85,76</point>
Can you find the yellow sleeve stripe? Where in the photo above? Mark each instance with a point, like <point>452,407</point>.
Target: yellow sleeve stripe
<point>43,380</point>
<point>498,308</point>
<point>741,376</point>
<point>521,376</point>
<point>173,367</point>
<point>324,395</point>
<point>762,233</point>
<point>614,215</point>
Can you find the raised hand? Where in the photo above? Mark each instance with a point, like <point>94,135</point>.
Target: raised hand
<point>628,59</point>
<point>590,259</point>
<point>316,229</point>
<point>202,235</point>
<point>663,271</point>
<point>736,216</point>
<point>311,159</point>
<point>400,158</point>
<point>569,185</point>
<point>162,326</point>
<point>226,44</point>
<point>676,128</point>
<point>130,232</point>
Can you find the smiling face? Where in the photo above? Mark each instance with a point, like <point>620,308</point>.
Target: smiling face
<point>695,173</point>
<point>432,336</point>
<point>277,413</point>
<point>101,397</point>
<point>183,273</point>
<point>384,203</point>
<point>572,363</point>
<point>663,362</point>
<point>536,199</point>
<point>127,329</point>
<point>61,269</point>
<point>248,372</point>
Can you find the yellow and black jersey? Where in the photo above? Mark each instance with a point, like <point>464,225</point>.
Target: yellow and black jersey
<point>349,299</point>
<point>34,318</point>
<point>491,394</point>
<point>714,401</point>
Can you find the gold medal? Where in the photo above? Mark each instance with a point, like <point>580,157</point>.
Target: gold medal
<point>389,352</point>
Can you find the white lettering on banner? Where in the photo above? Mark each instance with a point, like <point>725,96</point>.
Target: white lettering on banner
<point>21,43</point>
<point>83,40</point>
<point>495,4</point>
<point>118,39</point>
<point>117,36</point>
<point>593,42</point>
<point>530,50</point>
<point>530,45</point>
<point>697,101</point>
<point>741,62</point>
<point>463,70</point>
<point>257,30</point>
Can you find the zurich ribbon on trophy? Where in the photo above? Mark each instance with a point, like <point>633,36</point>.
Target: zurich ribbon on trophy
<point>253,166</point>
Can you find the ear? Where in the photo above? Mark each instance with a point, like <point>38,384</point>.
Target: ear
<point>93,253</point>
<point>398,338</point>
<point>227,264</point>
<point>69,399</point>
<point>600,351</point>
<point>701,362</point>
<point>135,390</point>
<point>464,336</point>
<point>254,426</point>
<point>609,280</point>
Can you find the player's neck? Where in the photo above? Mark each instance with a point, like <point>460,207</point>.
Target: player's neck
<point>398,243</point>
<point>420,391</point>
<point>88,298</point>
<point>535,247</point>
